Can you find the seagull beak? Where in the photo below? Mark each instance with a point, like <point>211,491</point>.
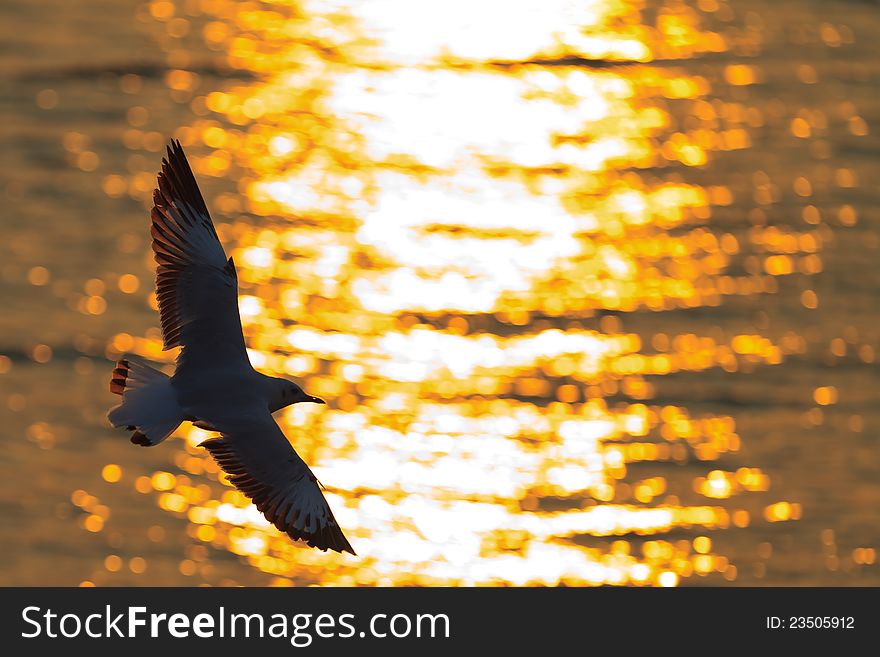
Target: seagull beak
<point>316,400</point>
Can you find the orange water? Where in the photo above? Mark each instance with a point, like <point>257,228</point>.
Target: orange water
<point>589,287</point>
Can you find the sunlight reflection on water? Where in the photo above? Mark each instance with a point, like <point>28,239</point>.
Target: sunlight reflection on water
<point>443,213</point>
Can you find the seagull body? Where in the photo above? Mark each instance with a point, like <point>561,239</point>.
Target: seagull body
<point>214,385</point>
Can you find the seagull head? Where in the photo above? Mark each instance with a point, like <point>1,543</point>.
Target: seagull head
<point>283,393</point>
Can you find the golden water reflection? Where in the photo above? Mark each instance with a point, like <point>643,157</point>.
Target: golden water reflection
<point>443,213</point>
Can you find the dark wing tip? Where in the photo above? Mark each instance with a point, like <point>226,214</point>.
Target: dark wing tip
<point>177,181</point>
<point>331,538</point>
<point>347,547</point>
<point>328,537</point>
<point>340,543</point>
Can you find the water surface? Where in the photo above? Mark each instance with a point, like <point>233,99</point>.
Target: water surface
<point>590,287</point>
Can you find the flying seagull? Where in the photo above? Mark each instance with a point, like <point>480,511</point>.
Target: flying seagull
<point>214,385</point>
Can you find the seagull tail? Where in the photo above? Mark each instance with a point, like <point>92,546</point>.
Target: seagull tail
<point>149,406</point>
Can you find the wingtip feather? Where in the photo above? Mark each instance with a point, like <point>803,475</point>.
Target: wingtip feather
<point>297,524</point>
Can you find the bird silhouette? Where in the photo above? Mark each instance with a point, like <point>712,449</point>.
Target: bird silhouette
<point>214,385</point>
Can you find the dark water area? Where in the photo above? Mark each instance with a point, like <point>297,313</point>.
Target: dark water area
<point>591,288</point>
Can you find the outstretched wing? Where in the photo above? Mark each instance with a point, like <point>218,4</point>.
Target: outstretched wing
<point>262,464</point>
<point>196,286</point>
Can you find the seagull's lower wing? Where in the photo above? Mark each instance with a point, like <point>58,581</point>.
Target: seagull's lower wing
<point>196,286</point>
<point>263,465</point>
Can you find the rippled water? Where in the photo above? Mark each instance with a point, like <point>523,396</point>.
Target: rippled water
<point>590,287</point>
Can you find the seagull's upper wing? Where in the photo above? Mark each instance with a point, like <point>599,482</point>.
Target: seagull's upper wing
<point>196,286</point>
<point>261,463</point>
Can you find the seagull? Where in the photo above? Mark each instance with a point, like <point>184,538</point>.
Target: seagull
<point>214,385</point>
